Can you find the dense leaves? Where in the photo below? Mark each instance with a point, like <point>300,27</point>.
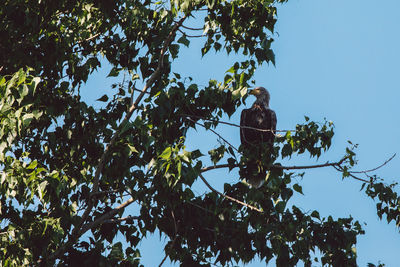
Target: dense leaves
<point>69,169</point>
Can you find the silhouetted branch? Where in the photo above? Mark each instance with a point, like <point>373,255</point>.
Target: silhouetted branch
<point>105,216</point>
<point>228,197</point>
<point>374,169</point>
<point>235,125</point>
<point>192,29</point>
<point>118,220</point>
<point>276,166</point>
<point>336,165</point>
<point>88,39</point>
<point>220,136</point>
<point>192,36</point>
<point>173,241</point>
<point>340,169</point>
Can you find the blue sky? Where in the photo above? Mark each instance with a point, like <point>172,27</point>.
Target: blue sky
<point>337,60</point>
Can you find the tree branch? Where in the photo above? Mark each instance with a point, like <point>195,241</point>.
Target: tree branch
<point>374,169</point>
<point>192,36</point>
<point>79,230</point>
<point>220,136</point>
<point>192,29</point>
<point>336,165</point>
<point>340,169</point>
<point>118,220</point>
<point>228,197</point>
<point>276,166</point>
<point>236,125</point>
<point>105,216</point>
<point>88,39</point>
<point>173,241</point>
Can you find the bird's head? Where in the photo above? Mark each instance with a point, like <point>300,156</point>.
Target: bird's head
<point>261,93</point>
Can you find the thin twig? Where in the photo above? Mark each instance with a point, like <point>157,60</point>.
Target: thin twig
<point>118,220</point>
<point>220,136</point>
<point>336,165</point>
<point>200,207</point>
<point>276,166</point>
<point>192,29</point>
<point>173,241</point>
<point>220,166</point>
<point>88,39</point>
<point>228,197</point>
<point>99,193</point>
<point>236,125</point>
<point>105,216</point>
<point>308,166</point>
<point>192,36</point>
<point>374,169</point>
<point>340,169</point>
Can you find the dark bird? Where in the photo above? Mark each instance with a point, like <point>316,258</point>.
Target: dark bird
<point>259,140</point>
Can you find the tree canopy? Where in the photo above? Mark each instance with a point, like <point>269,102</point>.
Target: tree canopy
<point>69,171</point>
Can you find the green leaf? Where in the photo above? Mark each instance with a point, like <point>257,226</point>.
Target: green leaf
<point>114,72</point>
<point>27,118</point>
<point>32,165</point>
<point>23,90</point>
<point>166,154</point>
<point>183,40</point>
<point>280,206</point>
<point>315,214</point>
<point>104,98</point>
<point>132,149</point>
<point>116,251</point>
<point>298,188</point>
<point>179,168</point>
<point>42,189</point>
<point>125,127</point>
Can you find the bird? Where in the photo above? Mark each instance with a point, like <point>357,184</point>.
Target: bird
<point>258,144</point>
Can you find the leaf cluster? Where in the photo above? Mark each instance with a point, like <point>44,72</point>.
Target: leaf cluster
<point>68,171</point>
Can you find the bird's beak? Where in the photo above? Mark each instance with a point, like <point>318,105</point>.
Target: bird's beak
<point>253,92</point>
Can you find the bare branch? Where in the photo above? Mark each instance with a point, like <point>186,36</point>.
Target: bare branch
<point>228,197</point>
<point>220,136</point>
<point>236,125</point>
<point>220,166</point>
<point>192,36</point>
<point>336,165</point>
<point>102,219</point>
<point>192,29</point>
<point>374,169</point>
<point>276,166</point>
<point>340,169</point>
<point>328,164</point>
<point>118,220</point>
<point>88,39</point>
<point>83,229</point>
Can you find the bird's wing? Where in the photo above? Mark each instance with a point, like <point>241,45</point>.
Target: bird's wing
<point>243,123</point>
<point>273,120</point>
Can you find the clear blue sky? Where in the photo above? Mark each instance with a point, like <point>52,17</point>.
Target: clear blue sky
<point>337,60</point>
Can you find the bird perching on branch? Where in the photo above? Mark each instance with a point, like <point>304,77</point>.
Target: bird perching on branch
<point>258,138</point>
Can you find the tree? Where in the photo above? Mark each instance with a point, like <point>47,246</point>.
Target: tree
<point>69,171</point>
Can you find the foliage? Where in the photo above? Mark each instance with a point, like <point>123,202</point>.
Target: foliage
<point>68,170</point>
